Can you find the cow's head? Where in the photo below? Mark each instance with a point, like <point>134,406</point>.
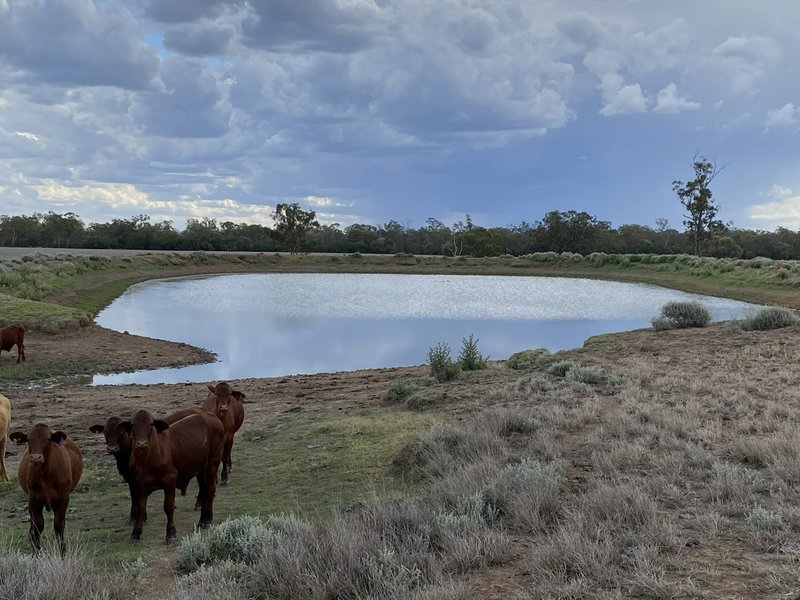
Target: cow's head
<point>116,438</point>
<point>39,440</point>
<point>143,429</point>
<point>222,397</point>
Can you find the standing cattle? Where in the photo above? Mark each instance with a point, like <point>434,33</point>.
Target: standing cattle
<point>5,423</point>
<point>228,405</point>
<point>49,470</point>
<point>166,457</point>
<point>13,335</point>
<point>118,444</point>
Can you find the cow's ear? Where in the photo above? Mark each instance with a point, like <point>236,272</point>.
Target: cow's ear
<point>238,395</point>
<point>124,426</point>
<point>58,437</point>
<point>96,428</point>
<point>160,425</point>
<point>212,388</point>
<point>18,437</point>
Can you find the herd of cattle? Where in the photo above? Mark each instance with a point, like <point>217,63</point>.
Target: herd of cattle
<point>151,454</point>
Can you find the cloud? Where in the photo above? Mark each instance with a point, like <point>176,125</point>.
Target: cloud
<point>76,42</point>
<point>782,211</point>
<point>204,39</point>
<point>668,101</point>
<point>786,116</point>
<point>621,99</point>
<point>745,61</point>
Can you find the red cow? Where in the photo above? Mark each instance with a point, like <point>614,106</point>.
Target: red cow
<point>118,444</point>
<point>228,405</point>
<point>13,335</point>
<point>5,423</point>
<point>49,470</point>
<point>166,457</point>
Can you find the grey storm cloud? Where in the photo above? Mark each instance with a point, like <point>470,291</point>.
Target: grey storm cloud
<point>203,39</point>
<point>76,42</point>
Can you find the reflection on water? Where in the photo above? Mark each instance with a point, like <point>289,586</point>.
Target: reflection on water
<point>281,324</point>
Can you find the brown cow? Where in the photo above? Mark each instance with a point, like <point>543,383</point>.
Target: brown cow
<point>166,457</point>
<point>118,444</point>
<point>49,470</point>
<point>228,405</point>
<point>13,335</point>
<point>5,423</point>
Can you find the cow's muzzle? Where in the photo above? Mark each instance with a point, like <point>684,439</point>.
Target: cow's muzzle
<point>37,458</point>
<point>112,449</point>
<point>141,443</point>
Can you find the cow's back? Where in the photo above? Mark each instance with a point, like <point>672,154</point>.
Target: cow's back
<point>178,415</point>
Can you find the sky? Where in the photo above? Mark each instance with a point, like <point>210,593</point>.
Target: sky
<point>367,111</point>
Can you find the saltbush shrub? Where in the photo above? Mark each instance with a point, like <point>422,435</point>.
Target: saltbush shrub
<point>682,314</point>
<point>770,317</point>
<point>561,368</point>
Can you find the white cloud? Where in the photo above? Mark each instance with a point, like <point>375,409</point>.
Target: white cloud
<point>745,61</point>
<point>621,99</point>
<point>669,102</point>
<point>783,210</point>
<point>786,116</point>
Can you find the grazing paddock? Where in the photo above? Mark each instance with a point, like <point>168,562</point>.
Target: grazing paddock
<point>670,472</point>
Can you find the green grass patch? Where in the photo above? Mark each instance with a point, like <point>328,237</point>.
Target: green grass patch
<point>39,315</point>
<point>310,464</point>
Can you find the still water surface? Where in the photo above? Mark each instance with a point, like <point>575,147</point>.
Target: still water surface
<point>264,325</point>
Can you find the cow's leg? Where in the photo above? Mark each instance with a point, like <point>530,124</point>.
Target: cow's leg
<point>3,473</point>
<point>133,489</point>
<point>141,515</point>
<point>59,522</point>
<point>169,510</point>
<point>207,512</point>
<point>20,351</point>
<point>201,490</point>
<point>226,453</point>
<point>35,508</point>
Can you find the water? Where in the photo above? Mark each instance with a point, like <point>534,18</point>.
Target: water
<point>265,325</point>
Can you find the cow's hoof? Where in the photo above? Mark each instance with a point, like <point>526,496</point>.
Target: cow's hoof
<point>224,483</point>
<point>135,540</point>
<point>198,506</point>
<point>204,524</point>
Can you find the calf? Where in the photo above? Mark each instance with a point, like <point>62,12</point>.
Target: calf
<point>166,457</point>
<point>228,405</point>
<point>49,470</point>
<point>5,423</point>
<point>13,335</point>
<point>118,444</point>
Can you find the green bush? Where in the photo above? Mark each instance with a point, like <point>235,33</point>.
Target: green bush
<point>763,520</point>
<point>399,390</point>
<point>442,366</point>
<point>683,314</point>
<point>771,317</point>
<point>561,368</point>
<point>585,374</point>
<point>469,359</point>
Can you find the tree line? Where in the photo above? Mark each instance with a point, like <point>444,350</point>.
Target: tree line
<point>297,230</point>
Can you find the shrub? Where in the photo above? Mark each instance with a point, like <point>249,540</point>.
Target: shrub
<point>661,323</point>
<point>763,520</point>
<point>442,366</point>
<point>771,317</point>
<point>199,257</point>
<point>685,314</point>
<point>585,374</point>
<point>544,256</point>
<point>528,359</point>
<point>561,368</point>
<point>469,359</point>
<point>405,258</point>
<point>242,539</point>
<point>398,391</point>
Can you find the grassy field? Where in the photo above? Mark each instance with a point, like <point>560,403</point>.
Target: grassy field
<point>643,465</point>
